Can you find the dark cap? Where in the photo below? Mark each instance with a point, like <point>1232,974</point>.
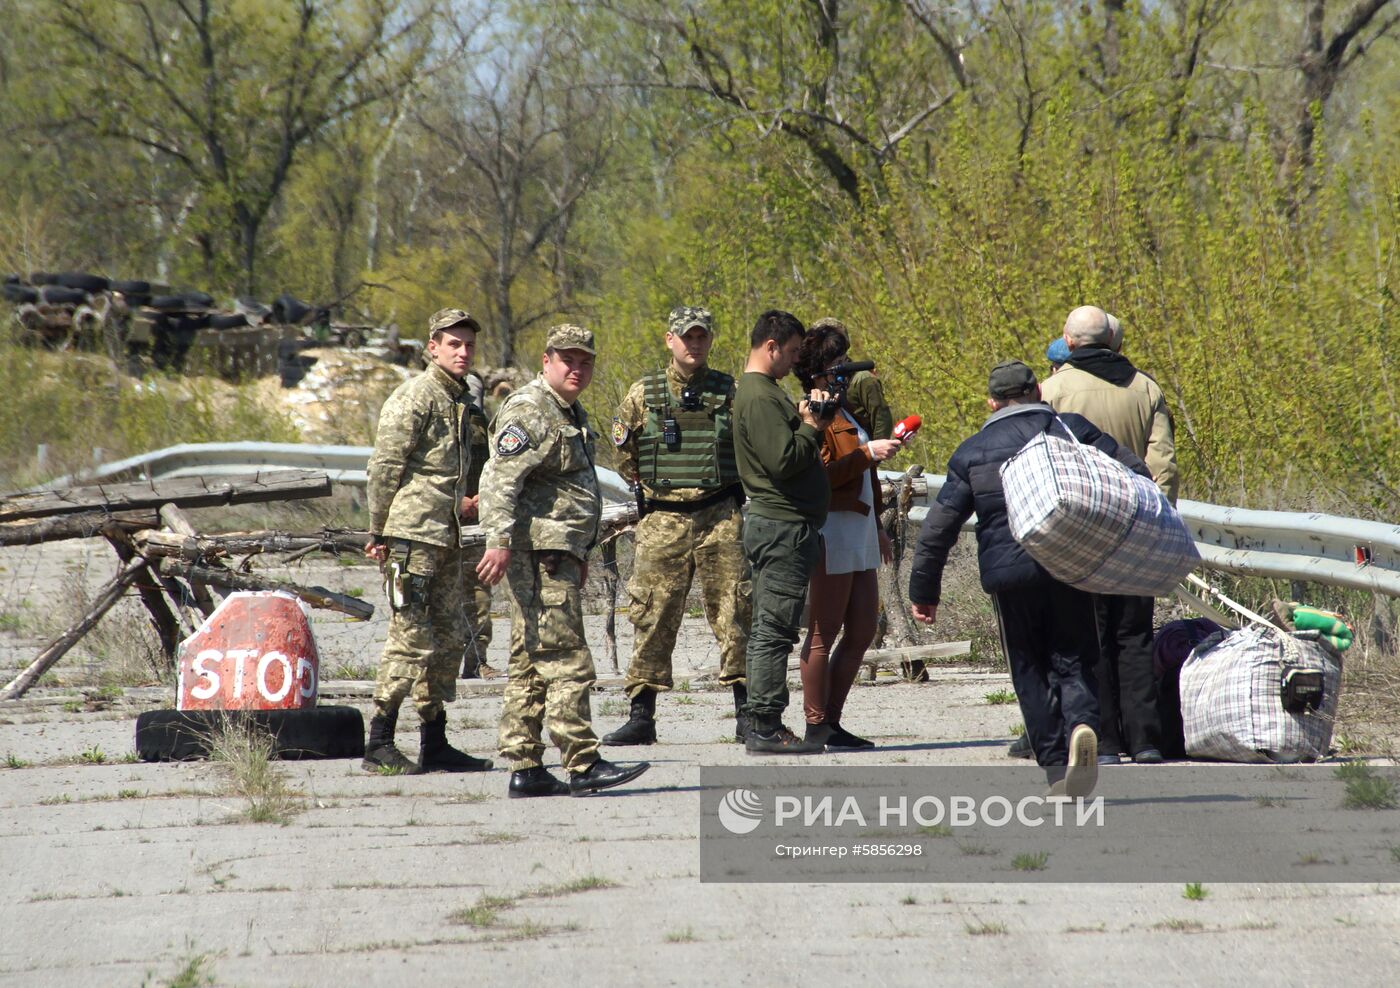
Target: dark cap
<point>1010,379</point>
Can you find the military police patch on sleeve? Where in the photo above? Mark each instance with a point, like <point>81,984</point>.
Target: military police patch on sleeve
<point>620,432</point>
<point>511,440</point>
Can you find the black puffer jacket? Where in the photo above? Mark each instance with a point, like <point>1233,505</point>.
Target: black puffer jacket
<point>974,484</point>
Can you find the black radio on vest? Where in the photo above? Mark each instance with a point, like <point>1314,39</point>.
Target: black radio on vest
<point>670,432</point>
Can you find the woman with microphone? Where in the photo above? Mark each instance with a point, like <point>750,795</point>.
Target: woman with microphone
<point>843,593</point>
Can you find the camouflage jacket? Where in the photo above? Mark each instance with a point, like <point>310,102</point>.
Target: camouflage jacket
<point>631,419</point>
<point>865,396</point>
<point>418,471</point>
<point>477,430</point>
<point>540,489</point>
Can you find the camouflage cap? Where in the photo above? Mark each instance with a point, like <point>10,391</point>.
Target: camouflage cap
<point>450,318</point>
<point>570,337</point>
<point>827,322</point>
<point>685,316</point>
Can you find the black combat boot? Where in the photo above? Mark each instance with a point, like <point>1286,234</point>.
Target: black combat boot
<point>436,755</point>
<point>380,751</point>
<point>641,723</point>
<point>741,719</point>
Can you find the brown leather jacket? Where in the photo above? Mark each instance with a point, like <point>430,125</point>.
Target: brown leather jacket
<point>846,460</point>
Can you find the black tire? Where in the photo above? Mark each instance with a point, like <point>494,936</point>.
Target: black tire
<point>90,283</point>
<point>320,732</point>
<point>224,320</point>
<point>130,288</point>
<point>169,303</point>
<point>199,300</point>
<point>42,278</point>
<point>289,310</point>
<point>62,295</point>
<point>20,294</point>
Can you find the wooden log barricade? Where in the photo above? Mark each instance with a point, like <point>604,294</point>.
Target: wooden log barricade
<point>179,575</point>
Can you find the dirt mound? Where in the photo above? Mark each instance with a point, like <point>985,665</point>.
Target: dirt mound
<point>338,400</point>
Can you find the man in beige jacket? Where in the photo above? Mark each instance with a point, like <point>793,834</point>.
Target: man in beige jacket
<point>1102,385</point>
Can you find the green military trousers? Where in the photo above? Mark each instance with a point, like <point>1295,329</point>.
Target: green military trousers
<point>551,670</point>
<point>424,644</point>
<point>672,548</point>
<point>782,556</point>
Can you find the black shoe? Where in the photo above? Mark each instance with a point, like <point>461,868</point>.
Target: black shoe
<point>1021,748</point>
<point>381,754</point>
<point>604,774</point>
<point>641,724</point>
<point>535,782</point>
<point>1149,756</point>
<point>741,719</point>
<point>843,740</point>
<point>436,755</point>
<point>778,741</point>
<point>817,734</point>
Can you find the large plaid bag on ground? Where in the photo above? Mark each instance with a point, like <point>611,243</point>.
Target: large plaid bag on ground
<point>1092,522</point>
<point>1231,708</point>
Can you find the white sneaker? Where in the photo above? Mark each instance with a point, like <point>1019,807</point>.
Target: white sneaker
<point>1083,772</point>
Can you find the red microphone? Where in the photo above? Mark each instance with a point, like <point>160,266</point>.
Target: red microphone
<point>904,431</point>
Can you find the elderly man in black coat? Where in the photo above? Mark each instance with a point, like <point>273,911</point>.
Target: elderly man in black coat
<point>1047,628</point>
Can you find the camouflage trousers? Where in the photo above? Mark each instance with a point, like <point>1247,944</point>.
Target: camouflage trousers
<point>424,644</point>
<point>476,599</point>
<point>672,548</point>
<point>551,670</point>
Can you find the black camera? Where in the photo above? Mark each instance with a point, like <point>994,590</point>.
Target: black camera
<point>691,399</point>
<point>838,378</point>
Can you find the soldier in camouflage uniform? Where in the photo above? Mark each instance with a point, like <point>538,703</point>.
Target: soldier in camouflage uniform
<point>416,493</point>
<point>673,433</point>
<point>540,509</point>
<point>476,595</point>
<point>865,395</point>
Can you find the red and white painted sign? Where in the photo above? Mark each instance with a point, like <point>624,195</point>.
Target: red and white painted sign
<point>255,652</point>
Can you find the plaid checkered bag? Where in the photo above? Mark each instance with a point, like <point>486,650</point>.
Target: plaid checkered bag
<point>1092,522</point>
<point>1230,698</point>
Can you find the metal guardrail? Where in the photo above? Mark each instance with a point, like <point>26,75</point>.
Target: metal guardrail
<point>1311,547</point>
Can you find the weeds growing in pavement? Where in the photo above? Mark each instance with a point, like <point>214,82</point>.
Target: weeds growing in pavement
<point>1365,790</point>
<point>999,697</point>
<point>1194,891</point>
<point>245,752</point>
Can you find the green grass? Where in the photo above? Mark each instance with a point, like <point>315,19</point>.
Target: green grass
<point>1180,925</point>
<point>686,935</point>
<point>195,972</point>
<point>938,830</point>
<point>1030,861</point>
<point>245,754</point>
<point>985,929</point>
<point>92,756</point>
<point>14,761</point>
<point>1365,790</point>
<point>1195,892</point>
<point>1017,729</point>
<point>908,900</point>
<point>998,697</point>
<point>10,622</point>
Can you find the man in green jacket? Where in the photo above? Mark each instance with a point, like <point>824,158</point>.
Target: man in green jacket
<point>778,450</point>
<point>417,491</point>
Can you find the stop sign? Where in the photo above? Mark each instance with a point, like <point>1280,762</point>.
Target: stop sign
<point>255,652</point>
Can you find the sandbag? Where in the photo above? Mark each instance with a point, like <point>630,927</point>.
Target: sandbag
<point>1232,698</point>
<point>1092,522</point>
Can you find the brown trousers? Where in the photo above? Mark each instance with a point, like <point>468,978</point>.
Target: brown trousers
<point>849,603</point>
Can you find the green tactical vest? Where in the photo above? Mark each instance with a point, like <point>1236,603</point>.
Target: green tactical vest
<point>704,457</point>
